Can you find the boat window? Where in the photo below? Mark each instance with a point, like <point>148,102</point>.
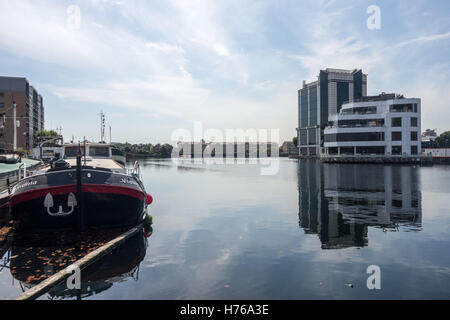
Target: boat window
<point>48,153</point>
<point>99,151</point>
<point>71,151</point>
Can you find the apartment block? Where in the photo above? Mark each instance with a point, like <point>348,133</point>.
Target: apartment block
<point>29,113</point>
<point>386,124</point>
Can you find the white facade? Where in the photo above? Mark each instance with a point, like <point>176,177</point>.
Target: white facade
<point>437,152</point>
<point>387,125</point>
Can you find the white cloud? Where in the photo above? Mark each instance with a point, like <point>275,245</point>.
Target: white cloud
<point>427,38</point>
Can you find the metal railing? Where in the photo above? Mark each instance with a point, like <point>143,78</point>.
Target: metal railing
<point>135,171</point>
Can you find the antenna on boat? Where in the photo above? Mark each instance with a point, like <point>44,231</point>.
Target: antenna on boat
<point>84,138</point>
<point>102,126</point>
<point>79,189</point>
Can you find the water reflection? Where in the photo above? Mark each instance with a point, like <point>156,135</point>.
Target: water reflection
<point>32,263</point>
<point>340,202</point>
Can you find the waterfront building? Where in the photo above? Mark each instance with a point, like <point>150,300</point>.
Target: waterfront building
<point>29,113</point>
<point>387,124</point>
<point>320,99</point>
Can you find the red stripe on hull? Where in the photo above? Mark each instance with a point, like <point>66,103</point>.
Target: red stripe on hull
<point>93,188</point>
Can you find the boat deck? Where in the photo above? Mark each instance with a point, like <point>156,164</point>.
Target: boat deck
<point>9,167</point>
<point>98,163</point>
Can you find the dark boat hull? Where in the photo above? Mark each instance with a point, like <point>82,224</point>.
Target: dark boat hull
<point>51,201</point>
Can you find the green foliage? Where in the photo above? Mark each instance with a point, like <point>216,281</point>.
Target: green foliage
<point>149,219</point>
<point>295,141</point>
<point>443,141</point>
<point>154,151</point>
<point>46,133</point>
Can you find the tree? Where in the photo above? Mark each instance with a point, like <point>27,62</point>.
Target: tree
<point>443,141</point>
<point>46,133</point>
<point>295,141</point>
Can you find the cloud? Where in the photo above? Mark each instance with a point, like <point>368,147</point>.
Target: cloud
<point>230,64</point>
<point>423,39</point>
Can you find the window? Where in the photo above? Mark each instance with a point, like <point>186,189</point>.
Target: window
<point>414,150</point>
<point>361,123</point>
<point>2,94</point>
<point>396,150</point>
<point>99,151</point>
<point>396,122</point>
<point>413,122</point>
<point>370,150</point>
<point>396,136</point>
<point>408,107</point>
<point>72,151</point>
<point>413,135</point>
<point>2,105</point>
<point>357,136</point>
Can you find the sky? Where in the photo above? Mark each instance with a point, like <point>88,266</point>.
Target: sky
<point>156,66</point>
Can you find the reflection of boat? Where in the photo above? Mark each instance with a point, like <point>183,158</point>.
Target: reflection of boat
<point>34,264</point>
<point>102,193</point>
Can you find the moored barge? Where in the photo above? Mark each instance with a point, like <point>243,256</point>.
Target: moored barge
<point>85,188</point>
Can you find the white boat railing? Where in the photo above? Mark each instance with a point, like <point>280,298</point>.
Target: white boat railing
<point>135,171</point>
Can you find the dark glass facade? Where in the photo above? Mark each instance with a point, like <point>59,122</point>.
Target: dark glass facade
<point>360,123</point>
<point>406,107</point>
<point>312,136</point>
<point>342,94</point>
<point>359,136</point>
<point>313,106</point>
<point>303,108</point>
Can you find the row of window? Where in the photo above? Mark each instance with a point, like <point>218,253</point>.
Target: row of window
<point>93,151</point>
<point>397,150</point>
<point>357,123</point>
<point>397,136</point>
<point>397,122</point>
<point>380,150</point>
<point>357,136</point>
<point>359,110</point>
<point>407,107</point>
<point>367,136</point>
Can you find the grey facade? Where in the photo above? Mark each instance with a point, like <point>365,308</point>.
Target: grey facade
<point>29,112</point>
<point>320,99</point>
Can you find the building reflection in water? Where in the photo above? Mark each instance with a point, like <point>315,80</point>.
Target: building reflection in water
<point>340,201</point>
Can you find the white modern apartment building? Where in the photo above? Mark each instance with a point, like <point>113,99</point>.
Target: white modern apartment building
<point>387,124</point>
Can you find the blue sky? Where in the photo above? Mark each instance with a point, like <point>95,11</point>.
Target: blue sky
<point>156,66</point>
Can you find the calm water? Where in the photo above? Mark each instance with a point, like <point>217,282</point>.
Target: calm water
<point>227,232</point>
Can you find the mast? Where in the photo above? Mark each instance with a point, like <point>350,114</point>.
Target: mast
<point>15,126</point>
